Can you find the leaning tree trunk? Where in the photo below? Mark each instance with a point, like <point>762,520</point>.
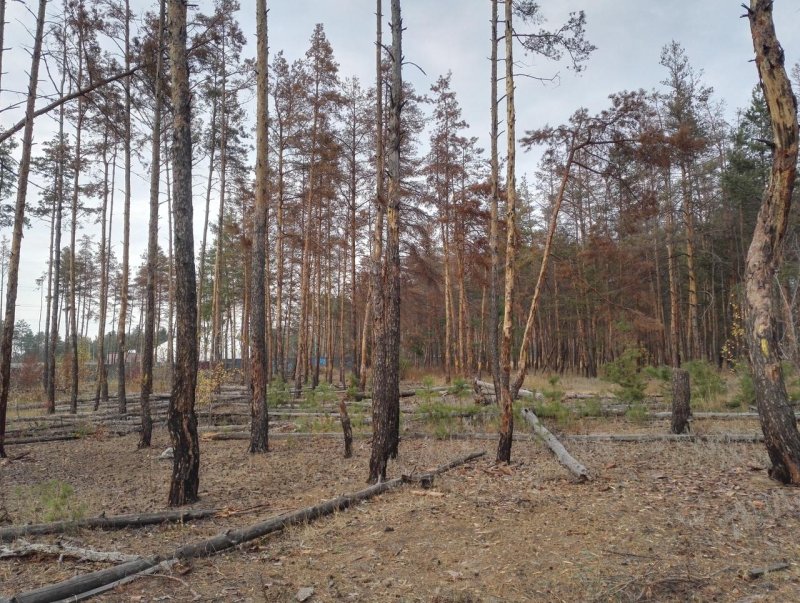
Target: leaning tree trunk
<point>152,249</point>
<point>258,368</point>
<point>763,258</point>
<point>19,219</point>
<point>182,421</point>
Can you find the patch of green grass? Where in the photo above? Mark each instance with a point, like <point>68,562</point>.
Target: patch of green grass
<point>442,410</point>
<point>591,407</point>
<point>637,413</point>
<point>553,393</point>
<point>553,410</point>
<point>426,393</point>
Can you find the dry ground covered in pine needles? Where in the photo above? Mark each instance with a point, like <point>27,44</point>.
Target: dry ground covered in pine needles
<point>659,521</point>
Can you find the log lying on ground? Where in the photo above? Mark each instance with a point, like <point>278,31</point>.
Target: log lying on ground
<point>85,582</point>
<point>26,549</point>
<point>757,572</point>
<point>74,587</point>
<point>564,457</point>
<point>668,437</point>
<point>244,435</point>
<point>231,538</point>
<point>523,393</point>
<point>407,393</point>
<point>114,522</point>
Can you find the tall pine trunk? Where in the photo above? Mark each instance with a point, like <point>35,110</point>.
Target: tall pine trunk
<point>506,399</point>
<point>182,420</point>
<point>494,277</point>
<point>152,248</point>
<point>258,368</point>
<point>386,356</point>
<point>126,228</point>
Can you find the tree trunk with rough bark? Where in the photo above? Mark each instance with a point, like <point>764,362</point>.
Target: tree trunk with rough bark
<point>258,344</point>
<point>681,399</point>
<point>182,420</point>
<point>386,310</point>
<point>763,258</point>
<point>152,249</point>
<point>506,399</point>
<point>6,344</point>
<point>126,229</point>
<point>494,277</point>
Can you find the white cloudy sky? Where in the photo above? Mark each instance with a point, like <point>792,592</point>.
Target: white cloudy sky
<point>444,35</point>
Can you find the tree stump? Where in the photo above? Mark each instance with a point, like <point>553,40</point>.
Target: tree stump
<point>681,396</point>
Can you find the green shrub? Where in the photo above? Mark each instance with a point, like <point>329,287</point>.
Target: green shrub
<point>792,380</point>
<point>426,393</point>
<point>706,383</point>
<point>325,393</point>
<point>747,389</point>
<point>459,388</point>
<point>55,501</point>
<point>277,393</point>
<point>624,371</point>
<point>660,373</point>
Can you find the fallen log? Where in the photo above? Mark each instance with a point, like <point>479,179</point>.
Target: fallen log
<point>26,549</point>
<point>523,393</point>
<point>163,566</point>
<point>243,435</point>
<point>75,587</point>
<point>757,572</point>
<point>668,437</point>
<point>557,448</point>
<point>407,393</point>
<point>231,538</point>
<point>114,522</point>
<point>85,582</point>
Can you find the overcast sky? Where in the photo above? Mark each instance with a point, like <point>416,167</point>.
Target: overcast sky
<point>444,35</point>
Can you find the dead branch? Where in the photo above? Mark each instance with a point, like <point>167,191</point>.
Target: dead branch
<point>26,549</point>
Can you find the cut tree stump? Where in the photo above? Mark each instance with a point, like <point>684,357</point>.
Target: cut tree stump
<point>561,453</point>
<point>114,522</point>
<point>76,587</point>
<point>681,396</point>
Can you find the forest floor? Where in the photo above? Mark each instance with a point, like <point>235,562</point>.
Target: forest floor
<point>659,521</point>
